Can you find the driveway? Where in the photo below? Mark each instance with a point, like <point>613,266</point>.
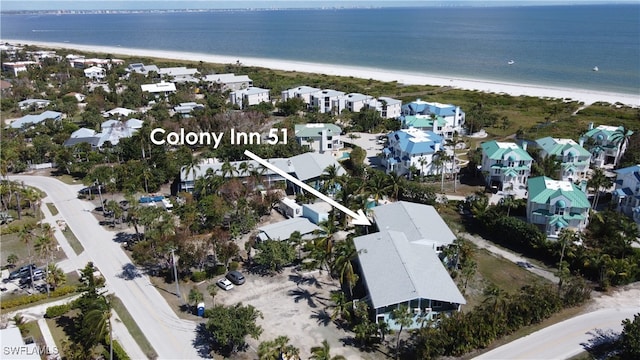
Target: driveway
<point>369,143</point>
<point>170,336</point>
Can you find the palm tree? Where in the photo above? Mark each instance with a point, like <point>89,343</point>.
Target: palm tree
<point>330,178</point>
<point>395,182</point>
<point>213,291</point>
<point>44,247</point>
<point>342,307</point>
<point>422,161</point>
<point>228,170</point>
<point>191,167</point>
<point>195,296</point>
<point>566,238</point>
<point>620,138</point>
<point>324,352</point>
<point>55,276</point>
<point>345,254</point>
<point>96,324</point>
<point>440,159</point>
<point>277,349</point>
<point>401,316</point>
<point>598,181</point>
<point>25,235</point>
<point>375,186</point>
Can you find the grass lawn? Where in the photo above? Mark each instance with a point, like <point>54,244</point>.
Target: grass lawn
<point>495,270</point>
<point>12,244</point>
<point>52,208</point>
<point>133,328</point>
<point>68,179</point>
<point>33,330</point>
<point>58,333</point>
<point>73,241</point>
<point>168,292</point>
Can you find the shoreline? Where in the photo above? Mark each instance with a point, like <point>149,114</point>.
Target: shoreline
<point>587,97</point>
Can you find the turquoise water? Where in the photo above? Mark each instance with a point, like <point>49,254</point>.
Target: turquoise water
<point>550,45</point>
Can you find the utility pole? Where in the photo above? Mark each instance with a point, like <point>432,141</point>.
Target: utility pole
<point>100,193</point>
<point>175,273</point>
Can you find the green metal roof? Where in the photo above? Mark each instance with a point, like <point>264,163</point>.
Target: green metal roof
<point>423,122</point>
<point>502,150</point>
<point>559,147</point>
<point>542,189</point>
<point>315,130</point>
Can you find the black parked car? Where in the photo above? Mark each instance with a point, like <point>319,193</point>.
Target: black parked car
<point>24,271</point>
<point>236,277</point>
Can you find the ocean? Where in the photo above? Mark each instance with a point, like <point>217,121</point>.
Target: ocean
<point>547,45</point>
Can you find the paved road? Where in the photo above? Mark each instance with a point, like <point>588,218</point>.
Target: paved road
<point>170,336</point>
<point>565,339</point>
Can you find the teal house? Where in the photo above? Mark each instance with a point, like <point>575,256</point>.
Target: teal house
<point>574,159</point>
<point>505,165</point>
<point>553,205</point>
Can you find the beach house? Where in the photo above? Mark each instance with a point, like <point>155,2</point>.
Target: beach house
<point>388,108</point>
<point>161,89</point>
<point>33,104</point>
<point>448,118</point>
<point>506,166</point>
<point>409,239</point>
<point>141,68</point>
<point>307,167</point>
<point>249,96</point>
<point>574,159</point>
<point>300,92</point>
<point>319,137</point>
<point>627,192</point>
<point>95,73</point>
<point>328,101</point>
<point>185,109</point>
<point>179,74</point>
<point>231,82</point>
<point>416,149</point>
<point>355,102</point>
<point>605,144</point>
<point>110,131</point>
<point>553,205</point>
<point>29,120</point>
<point>18,66</point>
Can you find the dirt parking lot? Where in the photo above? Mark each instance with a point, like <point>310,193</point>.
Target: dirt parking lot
<point>295,305</point>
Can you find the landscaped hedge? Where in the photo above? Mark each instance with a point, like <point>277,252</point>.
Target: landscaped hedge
<point>57,310</point>
<point>198,276</point>
<point>30,299</point>
<point>118,351</point>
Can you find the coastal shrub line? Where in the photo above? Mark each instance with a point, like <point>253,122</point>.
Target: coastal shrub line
<point>30,299</point>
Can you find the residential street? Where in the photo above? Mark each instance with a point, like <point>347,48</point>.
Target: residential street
<point>565,339</point>
<point>171,337</point>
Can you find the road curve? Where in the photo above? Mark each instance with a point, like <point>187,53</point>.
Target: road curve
<point>170,336</point>
<point>565,339</point>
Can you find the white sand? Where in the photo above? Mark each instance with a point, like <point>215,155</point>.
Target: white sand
<point>582,95</point>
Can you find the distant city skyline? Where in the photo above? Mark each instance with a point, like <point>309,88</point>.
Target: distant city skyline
<point>37,5</point>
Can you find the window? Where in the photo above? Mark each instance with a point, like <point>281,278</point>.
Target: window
<point>436,304</point>
<point>512,163</point>
<point>496,172</point>
<point>499,162</point>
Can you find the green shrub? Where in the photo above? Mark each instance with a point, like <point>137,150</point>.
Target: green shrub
<point>57,310</point>
<point>198,276</point>
<point>234,265</point>
<point>30,299</point>
<point>118,351</point>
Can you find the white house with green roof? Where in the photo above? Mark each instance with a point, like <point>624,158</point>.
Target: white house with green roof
<point>320,138</point>
<point>442,119</point>
<point>554,205</point>
<point>505,165</point>
<point>574,159</point>
<point>605,144</point>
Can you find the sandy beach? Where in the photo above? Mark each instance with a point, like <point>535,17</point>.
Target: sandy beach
<point>408,78</point>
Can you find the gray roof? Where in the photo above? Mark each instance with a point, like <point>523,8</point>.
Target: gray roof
<point>311,165</point>
<point>420,223</point>
<point>92,140</point>
<point>397,270</point>
<point>35,119</point>
<point>282,230</point>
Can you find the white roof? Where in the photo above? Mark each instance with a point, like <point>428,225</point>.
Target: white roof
<point>420,223</point>
<point>252,91</point>
<point>118,111</point>
<point>12,339</point>
<point>282,230</point>
<point>357,97</point>
<point>83,133</point>
<point>159,87</point>
<point>227,78</point>
<point>177,71</point>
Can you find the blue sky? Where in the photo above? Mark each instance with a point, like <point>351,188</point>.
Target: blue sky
<point>11,5</point>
